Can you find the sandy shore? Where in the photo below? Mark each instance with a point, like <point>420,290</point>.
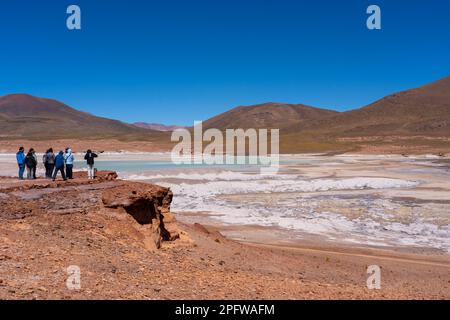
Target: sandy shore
<point>77,145</point>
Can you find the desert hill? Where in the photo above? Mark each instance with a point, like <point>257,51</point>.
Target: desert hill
<point>420,111</point>
<point>267,115</point>
<point>25,116</point>
<point>156,126</point>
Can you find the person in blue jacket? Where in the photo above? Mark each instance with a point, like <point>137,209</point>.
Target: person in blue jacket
<point>69,158</point>
<point>59,166</point>
<point>20,157</point>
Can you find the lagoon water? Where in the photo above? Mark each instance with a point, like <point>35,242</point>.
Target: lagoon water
<point>361,200</point>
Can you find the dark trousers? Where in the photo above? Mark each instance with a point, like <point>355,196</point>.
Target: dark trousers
<point>31,172</point>
<point>49,167</point>
<point>55,173</point>
<point>69,169</point>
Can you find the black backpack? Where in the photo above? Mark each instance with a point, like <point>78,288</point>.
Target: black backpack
<point>30,161</point>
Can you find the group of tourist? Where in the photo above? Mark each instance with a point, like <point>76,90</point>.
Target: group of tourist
<point>54,163</point>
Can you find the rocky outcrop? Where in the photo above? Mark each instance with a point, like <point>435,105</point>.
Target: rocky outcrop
<point>143,208</point>
<point>102,175</point>
<point>147,204</point>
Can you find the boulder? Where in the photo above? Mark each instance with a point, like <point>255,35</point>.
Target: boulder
<point>147,204</point>
<point>145,208</point>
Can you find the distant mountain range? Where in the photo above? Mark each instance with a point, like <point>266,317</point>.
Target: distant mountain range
<point>421,112</point>
<point>424,110</point>
<point>267,115</point>
<point>25,116</point>
<point>416,119</point>
<point>156,126</point>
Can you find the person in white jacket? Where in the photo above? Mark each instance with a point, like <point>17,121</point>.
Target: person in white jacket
<point>69,160</point>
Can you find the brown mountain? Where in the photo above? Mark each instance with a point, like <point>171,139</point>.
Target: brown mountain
<point>414,119</point>
<point>25,116</point>
<point>267,115</point>
<point>421,111</point>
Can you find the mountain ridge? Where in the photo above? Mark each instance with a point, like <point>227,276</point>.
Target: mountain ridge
<point>266,115</point>
<point>26,116</point>
<point>157,126</point>
<point>422,112</point>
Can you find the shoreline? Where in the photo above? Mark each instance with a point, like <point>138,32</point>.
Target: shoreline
<point>371,253</point>
<point>115,146</point>
<point>266,236</point>
<point>336,271</point>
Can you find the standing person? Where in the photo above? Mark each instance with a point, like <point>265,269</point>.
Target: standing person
<point>35,163</point>
<point>59,166</point>
<point>31,163</point>
<point>69,158</point>
<point>89,157</point>
<point>20,157</point>
<point>49,163</point>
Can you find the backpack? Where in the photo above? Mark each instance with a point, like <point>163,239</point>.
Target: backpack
<point>30,161</point>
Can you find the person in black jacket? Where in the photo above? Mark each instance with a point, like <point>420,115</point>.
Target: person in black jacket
<point>89,157</point>
<point>49,163</point>
<point>31,164</point>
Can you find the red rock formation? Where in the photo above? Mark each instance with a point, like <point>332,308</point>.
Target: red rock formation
<point>102,175</point>
<point>147,204</point>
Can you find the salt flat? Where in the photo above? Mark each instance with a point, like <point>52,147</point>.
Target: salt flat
<point>377,201</point>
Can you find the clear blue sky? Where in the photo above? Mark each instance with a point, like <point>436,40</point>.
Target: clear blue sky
<point>179,61</point>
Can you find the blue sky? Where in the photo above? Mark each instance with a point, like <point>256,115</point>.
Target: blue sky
<point>178,61</point>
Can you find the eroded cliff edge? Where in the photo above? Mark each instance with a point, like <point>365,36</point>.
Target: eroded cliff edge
<point>140,206</point>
